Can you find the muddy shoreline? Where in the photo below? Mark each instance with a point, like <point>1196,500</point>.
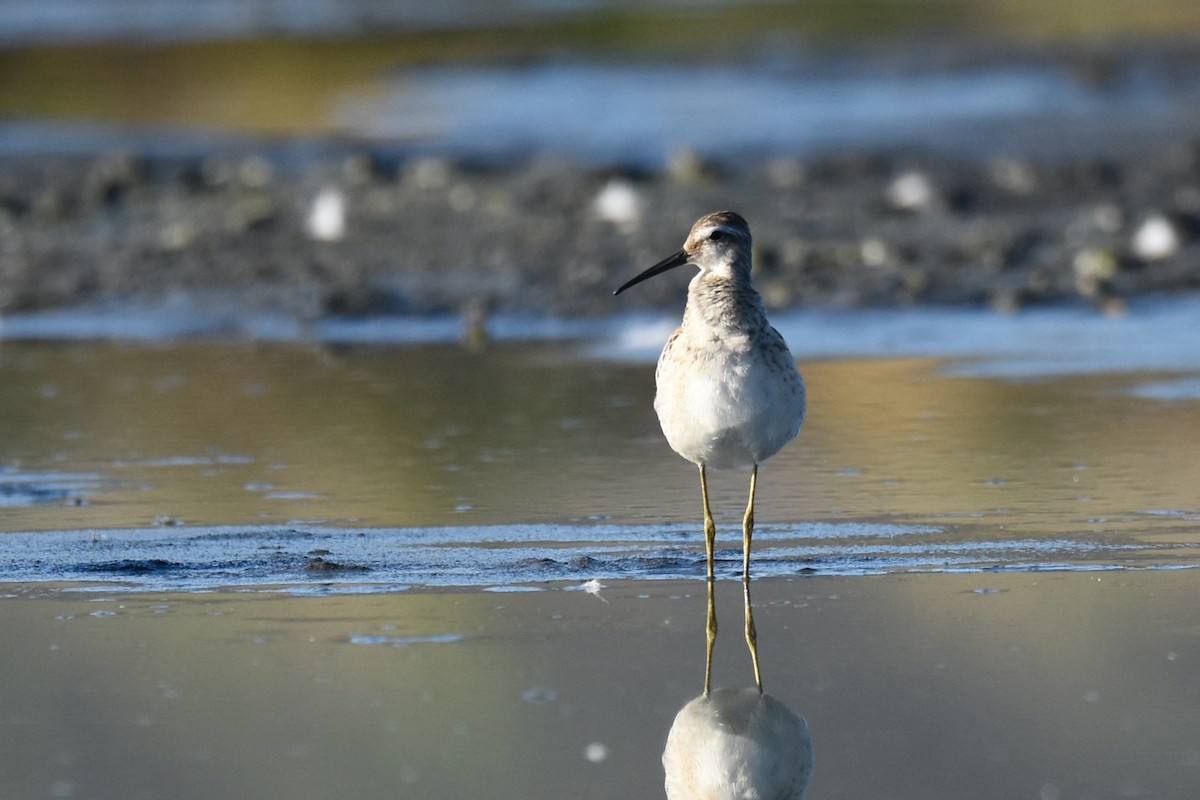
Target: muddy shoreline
<point>362,229</point>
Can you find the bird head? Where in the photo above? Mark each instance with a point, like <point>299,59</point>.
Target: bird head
<point>718,244</point>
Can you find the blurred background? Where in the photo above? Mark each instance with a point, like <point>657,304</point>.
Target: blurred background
<point>405,71</point>
<point>370,157</point>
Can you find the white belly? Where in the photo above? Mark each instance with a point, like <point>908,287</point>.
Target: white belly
<point>728,408</point>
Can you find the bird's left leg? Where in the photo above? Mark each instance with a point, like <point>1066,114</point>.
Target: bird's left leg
<point>747,533</point>
<point>710,538</point>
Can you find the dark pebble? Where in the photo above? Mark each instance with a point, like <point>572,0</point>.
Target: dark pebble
<point>430,234</point>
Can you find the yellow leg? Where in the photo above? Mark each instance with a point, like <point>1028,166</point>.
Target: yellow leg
<point>747,533</point>
<point>712,635</point>
<point>710,538</point>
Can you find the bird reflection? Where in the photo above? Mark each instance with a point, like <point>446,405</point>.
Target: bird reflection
<point>737,744</point>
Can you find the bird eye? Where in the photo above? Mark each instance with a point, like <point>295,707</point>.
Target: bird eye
<point>715,236</point>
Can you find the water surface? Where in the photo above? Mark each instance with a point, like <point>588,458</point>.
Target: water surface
<point>344,563</point>
<point>197,464</point>
<point>937,686</point>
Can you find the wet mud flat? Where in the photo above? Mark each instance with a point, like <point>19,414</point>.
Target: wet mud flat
<point>935,685</point>
<point>364,229</point>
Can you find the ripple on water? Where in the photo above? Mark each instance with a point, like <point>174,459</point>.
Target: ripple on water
<point>404,641</point>
<point>523,558</point>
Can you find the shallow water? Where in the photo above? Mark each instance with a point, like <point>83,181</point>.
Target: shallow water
<point>201,464</point>
<point>360,566</point>
<point>936,686</point>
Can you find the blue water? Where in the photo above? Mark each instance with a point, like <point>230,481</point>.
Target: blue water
<point>315,558</point>
<point>1157,334</point>
<point>641,112</point>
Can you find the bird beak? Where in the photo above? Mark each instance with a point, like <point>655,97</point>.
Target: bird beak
<point>670,262</point>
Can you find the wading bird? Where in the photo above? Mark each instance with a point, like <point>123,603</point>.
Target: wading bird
<point>729,394</point>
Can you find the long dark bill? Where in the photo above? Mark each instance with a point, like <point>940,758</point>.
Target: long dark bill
<point>670,262</point>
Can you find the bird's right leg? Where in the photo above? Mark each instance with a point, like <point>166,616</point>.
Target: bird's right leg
<point>710,539</point>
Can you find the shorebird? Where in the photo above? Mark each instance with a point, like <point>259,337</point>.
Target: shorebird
<point>728,391</point>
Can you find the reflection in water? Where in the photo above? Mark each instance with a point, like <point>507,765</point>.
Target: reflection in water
<point>751,631</point>
<point>364,696</point>
<point>737,744</point>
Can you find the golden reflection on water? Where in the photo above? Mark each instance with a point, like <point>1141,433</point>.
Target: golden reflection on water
<point>1047,455</point>
<point>242,434</point>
